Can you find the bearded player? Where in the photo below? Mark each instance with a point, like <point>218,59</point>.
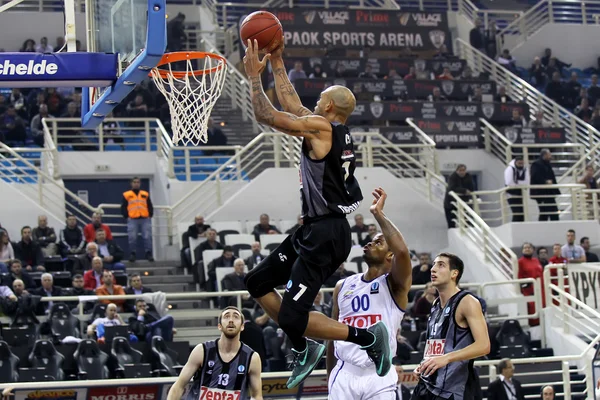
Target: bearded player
<point>329,192</point>
<point>380,294</point>
<point>224,368</point>
<point>457,334</point>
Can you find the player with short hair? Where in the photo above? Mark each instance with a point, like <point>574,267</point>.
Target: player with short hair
<point>221,367</point>
<point>329,192</point>
<point>380,294</point>
<point>457,334</point>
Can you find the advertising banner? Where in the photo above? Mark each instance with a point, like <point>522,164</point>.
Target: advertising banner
<point>516,135</point>
<point>452,133</point>
<point>54,394</point>
<point>363,28</point>
<point>141,392</point>
<point>414,89</point>
<point>399,134</point>
<point>584,283</point>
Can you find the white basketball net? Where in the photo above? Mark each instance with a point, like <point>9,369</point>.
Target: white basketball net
<point>191,98</point>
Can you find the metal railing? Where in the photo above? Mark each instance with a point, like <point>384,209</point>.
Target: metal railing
<point>577,130</point>
<point>566,157</point>
<point>474,229</point>
<point>193,163</point>
<point>493,207</point>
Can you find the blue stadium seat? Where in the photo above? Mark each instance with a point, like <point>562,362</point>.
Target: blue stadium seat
<point>112,147</point>
<point>199,177</point>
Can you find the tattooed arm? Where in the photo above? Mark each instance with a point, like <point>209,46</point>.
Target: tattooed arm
<point>286,93</point>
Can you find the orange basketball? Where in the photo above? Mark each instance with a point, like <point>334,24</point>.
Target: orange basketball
<point>263,27</point>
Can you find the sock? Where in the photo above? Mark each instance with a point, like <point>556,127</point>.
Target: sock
<point>299,343</point>
<point>361,337</point>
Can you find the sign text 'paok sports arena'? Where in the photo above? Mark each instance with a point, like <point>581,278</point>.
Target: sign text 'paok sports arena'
<point>363,28</point>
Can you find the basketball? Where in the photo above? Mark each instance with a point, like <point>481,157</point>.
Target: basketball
<point>263,27</point>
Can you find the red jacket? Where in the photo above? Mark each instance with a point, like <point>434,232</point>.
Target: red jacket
<point>89,280</point>
<point>89,232</point>
<point>531,268</point>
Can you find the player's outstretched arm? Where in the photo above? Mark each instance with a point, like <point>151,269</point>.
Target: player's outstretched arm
<point>335,314</point>
<point>194,363</point>
<point>400,276</point>
<point>286,93</point>
<point>255,377</point>
<point>308,126</point>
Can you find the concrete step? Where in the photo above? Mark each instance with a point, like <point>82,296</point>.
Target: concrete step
<point>155,271</point>
<point>196,335</point>
<point>173,287</point>
<point>186,304</point>
<point>152,280</point>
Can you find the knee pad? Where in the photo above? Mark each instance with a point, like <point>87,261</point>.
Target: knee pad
<point>256,285</point>
<point>292,321</point>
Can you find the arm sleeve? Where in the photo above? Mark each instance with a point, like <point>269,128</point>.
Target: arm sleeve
<point>117,252</point>
<point>124,212</point>
<point>509,177</point>
<point>81,243</point>
<point>150,207</point>
<point>62,239</point>
<point>52,236</point>
<point>109,235</point>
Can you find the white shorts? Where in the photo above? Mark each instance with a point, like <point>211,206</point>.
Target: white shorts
<point>348,381</point>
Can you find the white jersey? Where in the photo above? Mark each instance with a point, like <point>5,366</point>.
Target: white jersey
<point>362,304</point>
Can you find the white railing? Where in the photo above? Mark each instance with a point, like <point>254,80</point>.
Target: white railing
<point>567,158</point>
<point>589,204</point>
<point>193,163</point>
<point>492,205</point>
<point>577,130</point>
<point>501,17</point>
<point>474,229</point>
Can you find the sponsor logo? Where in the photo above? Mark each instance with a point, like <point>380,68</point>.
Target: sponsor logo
<point>7,68</point>
<point>448,87</point>
<point>359,110</point>
<point>348,294</point>
<point>450,126</point>
<point>422,19</point>
<point>448,110</point>
<point>375,18</point>
<point>488,109</point>
<point>466,126</point>
<point>511,134</point>
<point>284,16</point>
<point>241,369</point>
<point>289,285</point>
<point>327,17</point>
<point>434,348</point>
<point>438,38</point>
<point>376,109</point>
<point>466,111</point>
<point>375,288</point>
<point>52,394</point>
<point>147,392</point>
<point>404,18</point>
<point>309,17</point>
<point>362,321</point>
<point>219,394</point>
<point>349,209</point>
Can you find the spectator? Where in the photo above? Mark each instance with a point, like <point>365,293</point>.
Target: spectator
<point>441,53</point>
<point>6,252</point>
<point>145,324</point>
<point>594,90</point>
<point>28,46</point>
<point>297,72</point>
<point>137,209</point>
<point>421,71</point>
<point>371,233</point>
<point>477,36</point>
<point>555,89</point>
<point>137,288</point>
<point>548,393</point>
<point>437,95</point>
<point>253,336</point>
<point>508,61</point>
<point>367,73</point>
<point>537,73</point>
<point>54,100</point>
<point>256,256</point>
<point>583,94</point>
<point>264,228</point>
<point>317,72</point>
<point>215,137</point>
<point>89,231</point>
<point>340,71</point>
<point>340,273</point>
<point>583,110</point>
<point>502,97</point>
<point>111,318</point>
<point>571,251</point>
<point>19,288</point>
<point>235,281</point>
<point>412,74</point>
<point>319,305</point>
<point>29,252</point>
<point>573,86</point>
<point>543,174</point>
<point>92,279</point>
<point>12,127</point>
<point>16,272</point>
<point>505,386</point>
<point>461,183</point>
<point>445,75</point>
<point>542,255</point>
<point>71,238</point>
<point>198,229</point>
<point>491,39</point>
<point>37,129</point>
<point>47,290</point>
<point>110,252</point>
<point>477,96</point>
<point>45,237</point>
<point>225,260</point>
<point>589,256</point>
<point>83,262</point>
<point>137,108</point>
<point>60,43</point>
<point>557,257</point>
<point>517,119</point>
<point>109,288</point>
<point>422,307</point>
<point>467,73</point>
<point>421,274</point>
<point>294,228</point>
<point>176,33</point>
<point>530,267</point>
<point>538,121</point>
<point>43,47</point>
<point>211,242</point>
<point>78,289</point>
<point>359,225</point>
<point>547,60</point>
<point>393,75</point>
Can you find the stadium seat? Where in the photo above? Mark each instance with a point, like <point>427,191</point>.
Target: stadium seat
<point>8,364</point>
<point>227,225</point>
<point>266,240</point>
<point>44,355</point>
<point>20,335</point>
<point>239,239</point>
<point>164,359</point>
<point>225,232</point>
<point>128,360</point>
<point>91,362</point>
<point>240,246</point>
<point>62,322</point>
<point>513,341</point>
<point>220,274</point>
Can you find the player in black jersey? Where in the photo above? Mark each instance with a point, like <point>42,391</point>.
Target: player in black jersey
<point>457,334</point>
<point>223,369</point>
<point>329,192</point>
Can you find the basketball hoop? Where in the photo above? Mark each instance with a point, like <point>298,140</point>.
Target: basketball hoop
<point>191,93</point>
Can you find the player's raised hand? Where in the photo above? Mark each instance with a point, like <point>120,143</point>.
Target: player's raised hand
<point>379,197</point>
<point>252,64</point>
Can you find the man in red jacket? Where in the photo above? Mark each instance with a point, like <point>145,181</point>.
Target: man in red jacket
<point>92,279</point>
<point>89,231</point>
<point>530,267</point>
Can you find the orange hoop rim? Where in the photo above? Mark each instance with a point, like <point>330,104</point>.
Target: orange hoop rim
<point>168,58</point>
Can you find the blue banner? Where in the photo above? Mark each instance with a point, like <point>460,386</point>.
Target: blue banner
<point>60,69</point>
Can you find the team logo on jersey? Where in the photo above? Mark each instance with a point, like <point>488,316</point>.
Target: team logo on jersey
<point>362,321</point>
<point>434,348</point>
<point>289,285</point>
<point>375,288</point>
<point>447,311</point>
<point>219,394</point>
<point>348,294</point>
<point>241,369</point>
<point>488,109</point>
<point>211,364</point>
<point>376,109</point>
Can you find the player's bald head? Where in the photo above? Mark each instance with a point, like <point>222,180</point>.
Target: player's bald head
<point>343,100</point>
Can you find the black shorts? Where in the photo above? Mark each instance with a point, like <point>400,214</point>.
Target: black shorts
<point>421,393</point>
<point>303,262</point>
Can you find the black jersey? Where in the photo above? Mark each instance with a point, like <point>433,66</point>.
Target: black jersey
<point>328,186</point>
<point>218,379</point>
<point>444,335</point>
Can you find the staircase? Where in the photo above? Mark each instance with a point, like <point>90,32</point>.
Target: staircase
<point>237,130</point>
